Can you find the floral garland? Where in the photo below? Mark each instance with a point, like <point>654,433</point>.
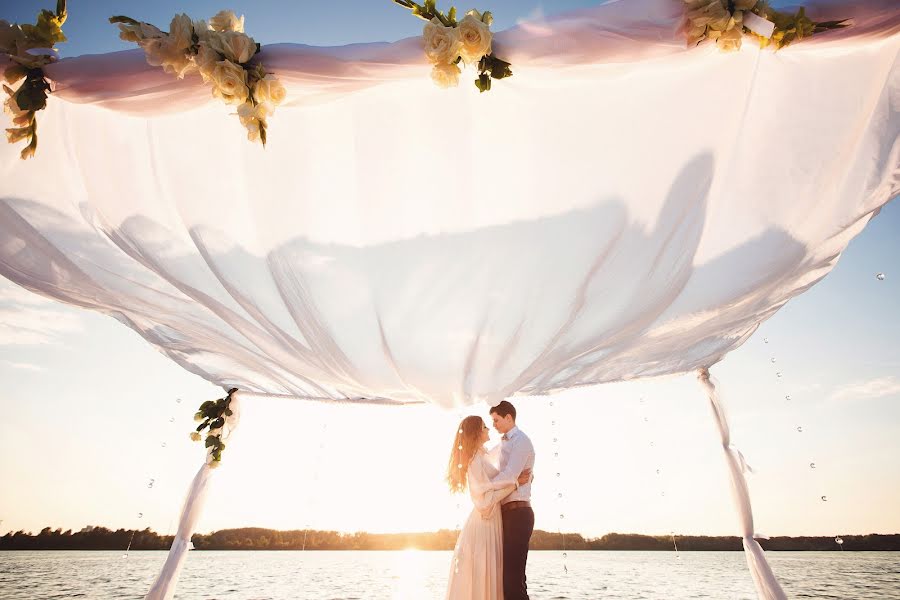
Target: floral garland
<point>30,48</point>
<point>220,51</point>
<point>725,22</point>
<point>794,27</point>
<point>449,42</point>
<point>213,414</point>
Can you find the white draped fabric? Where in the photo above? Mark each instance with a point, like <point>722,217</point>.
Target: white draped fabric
<point>622,207</point>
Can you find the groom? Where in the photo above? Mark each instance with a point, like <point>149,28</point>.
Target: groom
<point>516,455</point>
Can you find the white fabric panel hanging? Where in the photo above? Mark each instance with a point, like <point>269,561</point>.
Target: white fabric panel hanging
<point>767,586</point>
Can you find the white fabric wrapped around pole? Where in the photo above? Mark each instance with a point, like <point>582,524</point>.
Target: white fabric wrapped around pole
<point>767,586</point>
<point>167,580</point>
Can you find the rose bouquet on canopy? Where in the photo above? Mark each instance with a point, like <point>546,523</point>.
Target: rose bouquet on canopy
<point>214,414</point>
<point>449,42</point>
<point>220,52</point>
<point>29,49</point>
<point>724,22</point>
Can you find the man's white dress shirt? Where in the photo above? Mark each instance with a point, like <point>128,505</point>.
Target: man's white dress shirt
<point>516,455</point>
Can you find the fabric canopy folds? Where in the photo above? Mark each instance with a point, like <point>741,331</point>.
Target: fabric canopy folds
<point>622,207</point>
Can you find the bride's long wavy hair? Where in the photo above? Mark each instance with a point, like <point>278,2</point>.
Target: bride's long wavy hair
<point>466,443</point>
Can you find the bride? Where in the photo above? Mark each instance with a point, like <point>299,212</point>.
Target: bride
<point>477,569</point>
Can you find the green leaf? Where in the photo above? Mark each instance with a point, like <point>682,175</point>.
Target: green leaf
<point>483,83</point>
<point>501,72</point>
<point>123,19</point>
<point>229,412</point>
<point>219,422</point>
<point>32,95</point>
<point>827,25</point>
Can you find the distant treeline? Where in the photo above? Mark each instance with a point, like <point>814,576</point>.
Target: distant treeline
<point>254,538</point>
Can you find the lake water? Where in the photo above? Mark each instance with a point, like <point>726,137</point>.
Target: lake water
<point>414,575</point>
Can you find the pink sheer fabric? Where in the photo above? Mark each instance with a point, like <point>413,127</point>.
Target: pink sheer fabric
<point>617,32</point>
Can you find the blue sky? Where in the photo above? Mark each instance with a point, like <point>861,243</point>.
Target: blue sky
<point>87,405</point>
<point>321,23</point>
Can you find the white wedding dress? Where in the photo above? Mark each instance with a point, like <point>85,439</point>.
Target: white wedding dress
<point>476,572</point>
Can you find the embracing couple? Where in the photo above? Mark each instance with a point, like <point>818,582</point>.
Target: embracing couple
<point>490,554</point>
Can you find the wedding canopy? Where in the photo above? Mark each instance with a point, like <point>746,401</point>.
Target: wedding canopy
<point>622,207</point>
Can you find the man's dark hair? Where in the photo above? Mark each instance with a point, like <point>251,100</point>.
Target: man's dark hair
<point>505,409</point>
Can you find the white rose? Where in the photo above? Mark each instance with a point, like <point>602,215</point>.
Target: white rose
<point>269,91</point>
<point>201,29</point>
<point>206,60</point>
<point>163,52</point>
<point>229,82</point>
<point>253,118</point>
<point>181,32</point>
<point>136,33</point>
<point>695,34</point>
<point>154,50</point>
<point>712,13</point>
<point>233,45</point>
<point>441,43</point>
<point>226,20</point>
<point>179,66</point>
<point>475,39</point>
<point>248,111</point>
<point>731,39</point>
<point>10,37</point>
<point>445,75</point>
